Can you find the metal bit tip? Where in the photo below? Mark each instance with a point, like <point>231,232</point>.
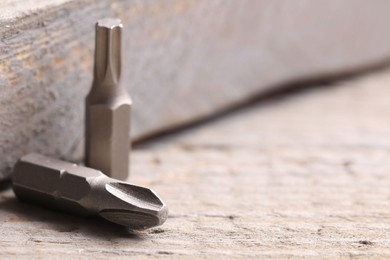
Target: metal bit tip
<point>85,191</point>
<point>107,68</point>
<point>155,212</point>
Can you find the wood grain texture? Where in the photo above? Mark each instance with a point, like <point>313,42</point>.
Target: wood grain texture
<point>302,176</point>
<point>183,60</point>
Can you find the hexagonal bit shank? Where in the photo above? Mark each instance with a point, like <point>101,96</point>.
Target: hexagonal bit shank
<point>108,106</point>
<point>85,191</point>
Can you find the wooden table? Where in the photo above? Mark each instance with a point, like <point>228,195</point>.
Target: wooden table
<point>302,175</point>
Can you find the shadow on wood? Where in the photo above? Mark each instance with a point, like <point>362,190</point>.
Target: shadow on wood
<point>93,227</point>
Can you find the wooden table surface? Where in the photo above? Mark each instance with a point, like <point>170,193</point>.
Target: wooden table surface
<point>303,175</point>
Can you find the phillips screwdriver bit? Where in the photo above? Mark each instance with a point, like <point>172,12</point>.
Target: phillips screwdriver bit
<point>84,191</point>
<point>108,106</point>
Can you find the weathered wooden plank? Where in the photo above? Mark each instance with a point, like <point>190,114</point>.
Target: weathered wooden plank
<point>303,176</point>
<point>184,60</point>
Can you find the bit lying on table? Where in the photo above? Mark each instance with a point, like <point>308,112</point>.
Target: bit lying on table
<point>85,191</point>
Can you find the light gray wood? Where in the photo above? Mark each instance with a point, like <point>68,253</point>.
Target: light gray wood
<point>183,60</point>
<point>304,176</point>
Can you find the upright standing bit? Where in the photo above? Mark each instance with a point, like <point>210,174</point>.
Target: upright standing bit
<point>108,106</point>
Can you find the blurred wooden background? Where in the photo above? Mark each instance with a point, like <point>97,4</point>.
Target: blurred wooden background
<point>183,60</point>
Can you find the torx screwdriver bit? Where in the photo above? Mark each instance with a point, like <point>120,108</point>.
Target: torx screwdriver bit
<point>108,106</point>
<point>86,192</point>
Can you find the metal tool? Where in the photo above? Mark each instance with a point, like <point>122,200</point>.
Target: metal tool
<point>85,191</point>
<point>108,106</point>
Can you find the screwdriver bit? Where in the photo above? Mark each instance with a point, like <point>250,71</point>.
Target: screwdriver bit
<point>108,106</point>
<point>86,192</point>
